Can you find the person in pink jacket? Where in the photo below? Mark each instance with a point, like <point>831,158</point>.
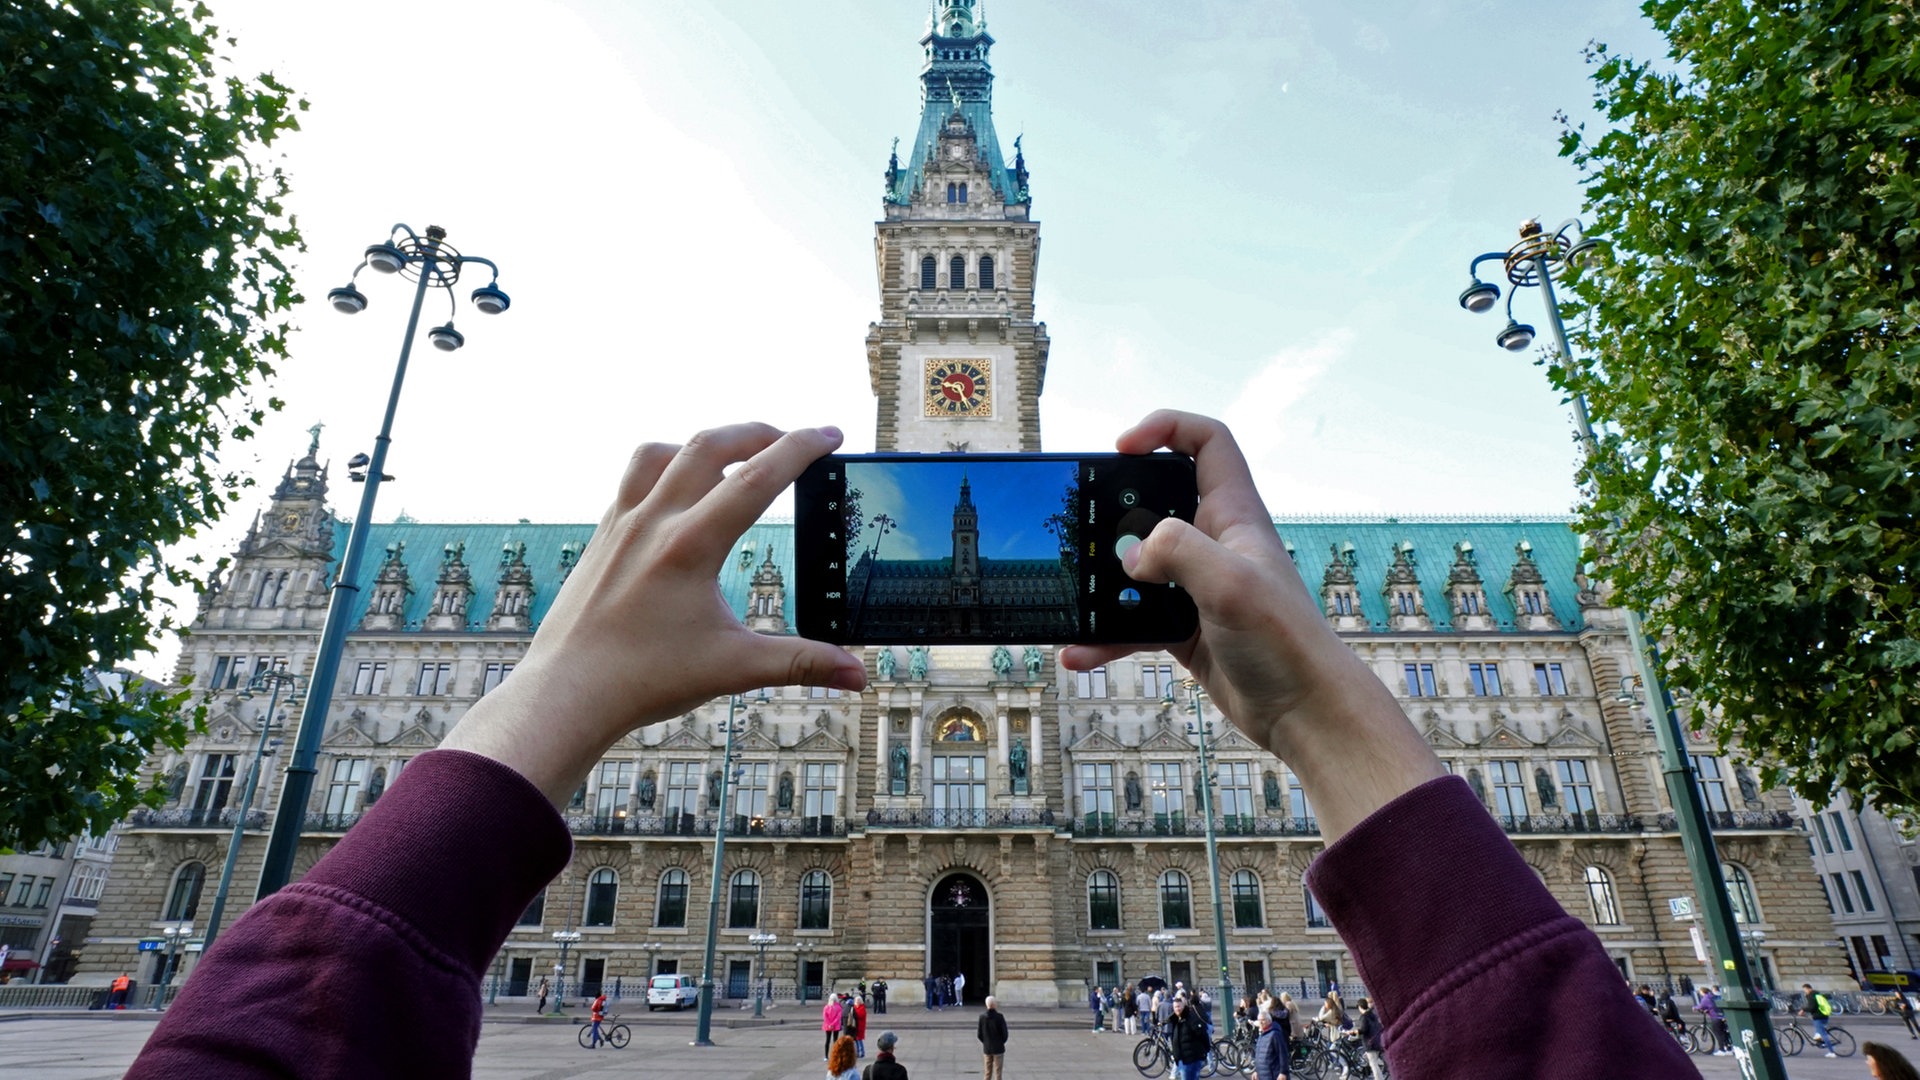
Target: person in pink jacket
<point>395,928</point>
<point>830,1022</point>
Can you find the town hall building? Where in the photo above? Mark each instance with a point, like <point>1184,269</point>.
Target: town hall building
<point>975,810</point>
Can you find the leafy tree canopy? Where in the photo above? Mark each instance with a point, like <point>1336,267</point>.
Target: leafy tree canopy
<point>142,289</point>
<point>1753,364</point>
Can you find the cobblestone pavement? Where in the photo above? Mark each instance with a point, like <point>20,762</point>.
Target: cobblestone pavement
<point>1045,1043</point>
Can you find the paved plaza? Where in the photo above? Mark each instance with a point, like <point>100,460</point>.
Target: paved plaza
<point>1045,1043</point>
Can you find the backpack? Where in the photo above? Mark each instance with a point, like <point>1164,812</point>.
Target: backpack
<point>849,1020</point>
<point>1821,1005</point>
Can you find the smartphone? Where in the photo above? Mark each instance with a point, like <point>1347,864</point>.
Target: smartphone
<point>955,549</point>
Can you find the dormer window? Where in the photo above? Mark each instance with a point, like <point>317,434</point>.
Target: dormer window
<point>1342,604</point>
<point>1470,603</point>
<point>1531,601</point>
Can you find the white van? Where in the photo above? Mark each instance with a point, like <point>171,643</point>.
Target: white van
<point>672,992</point>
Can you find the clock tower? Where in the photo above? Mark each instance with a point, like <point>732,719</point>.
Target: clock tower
<point>957,361</point>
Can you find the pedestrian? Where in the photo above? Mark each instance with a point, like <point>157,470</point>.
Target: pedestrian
<point>1162,1011</point>
<point>1709,1006</point>
<point>859,1028</point>
<point>1816,1007</point>
<point>959,988</point>
<point>1289,1015</point>
<point>830,1024</point>
<point>884,1066</point>
<point>117,997</point>
<point>992,1033</point>
<point>840,1064</point>
<point>1143,1011</point>
<point>1903,1008</point>
<point>1272,1053</point>
<point>1097,1002</point>
<point>597,1013</point>
<point>1333,1016</point>
<point>933,991</point>
<point>542,1006</point>
<point>1205,1005</point>
<point>1645,997</point>
<point>1670,1014</point>
<point>1370,1030</point>
<point>880,997</point>
<point>1187,1038</point>
<point>1886,1063</point>
<point>1130,1010</point>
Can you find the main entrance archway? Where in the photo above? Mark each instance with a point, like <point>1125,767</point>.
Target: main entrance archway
<point>959,934</point>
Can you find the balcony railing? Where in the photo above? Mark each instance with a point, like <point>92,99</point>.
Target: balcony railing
<point>1585,822</point>
<point>1090,825</point>
<point>180,817</point>
<point>960,819</point>
<point>738,826</point>
<point>1740,819</point>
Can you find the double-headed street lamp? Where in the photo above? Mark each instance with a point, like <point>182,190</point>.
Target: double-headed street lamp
<point>432,263</point>
<point>1201,727</point>
<point>761,941</point>
<point>1162,941</point>
<point>177,937</point>
<point>1530,263</point>
<point>703,1032</point>
<point>274,679</point>
<point>801,950</point>
<point>566,939</point>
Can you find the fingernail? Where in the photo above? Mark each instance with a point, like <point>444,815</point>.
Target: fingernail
<point>1130,558</point>
<point>832,433</point>
<point>854,679</point>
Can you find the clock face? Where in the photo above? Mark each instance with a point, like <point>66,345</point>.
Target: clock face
<point>959,388</point>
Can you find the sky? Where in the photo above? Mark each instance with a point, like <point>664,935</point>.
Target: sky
<point>1260,210</point>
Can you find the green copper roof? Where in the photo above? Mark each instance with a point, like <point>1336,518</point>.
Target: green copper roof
<point>956,66</point>
<point>426,542</point>
<point>1556,550</point>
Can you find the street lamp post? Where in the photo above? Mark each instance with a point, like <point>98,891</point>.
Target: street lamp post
<point>703,1032</point>
<point>1529,263</point>
<point>653,951</point>
<point>176,936</point>
<point>761,941</point>
<point>1163,941</point>
<point>431,262</point>
<point>566,939</point>
<point>801,950</point>
<point>277,679</point>
<point>1201,727</point>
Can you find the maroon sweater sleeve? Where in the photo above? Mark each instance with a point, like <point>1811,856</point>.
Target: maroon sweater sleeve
<point>1475,967</point>
<point>370,966</point>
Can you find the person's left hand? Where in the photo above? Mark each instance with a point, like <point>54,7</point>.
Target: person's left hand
<point>640,631</point>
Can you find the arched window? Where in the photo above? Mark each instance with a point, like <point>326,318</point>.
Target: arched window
<point>1600,897</point>
<point>743,901</point>
<point>816,900</point>
<point>1246,900</point>
<point>951,192</point>
<point>986,271</point>
<point>1740,893</point>
<point>963,191</point>
<point>1176,902</point>
<point>183,900</point>
<point>1316,915</point>
<point>671,910</point>
<point>1103,901</point>
<point>957,272</point>
<point>603,888</point>
<point>928,268</point>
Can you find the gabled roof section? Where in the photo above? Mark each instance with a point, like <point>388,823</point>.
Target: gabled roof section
<point>956,76</point>
<point>1556,550</point>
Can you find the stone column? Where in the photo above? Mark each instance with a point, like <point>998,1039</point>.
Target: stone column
<point>882,731</point>
<point>917,743</point>
<point>1001,732</point>
<point>1036,745</point>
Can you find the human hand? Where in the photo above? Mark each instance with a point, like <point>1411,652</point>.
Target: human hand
<point>640,632</point>
<point>1264,652</point>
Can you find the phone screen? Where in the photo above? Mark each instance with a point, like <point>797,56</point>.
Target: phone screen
<point>963,548</point>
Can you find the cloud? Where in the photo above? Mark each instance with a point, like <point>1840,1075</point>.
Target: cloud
<point>1256,414</point>
<point>1371,38</point>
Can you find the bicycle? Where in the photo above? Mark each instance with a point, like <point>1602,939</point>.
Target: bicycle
<point>1681,1034</point>
<point>613,1034</point>
<point>1793,1039</point>
<point>1152,1056</point>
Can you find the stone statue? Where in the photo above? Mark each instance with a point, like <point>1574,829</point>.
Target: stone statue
<point>1749,787</point>
<point>1478,785</point>
<point>886,663</point>
<point>1133,791</point>
<point>176,782</point>
<point>713,790</point>
<point>1033,658</point>
<point>897,767</point>
<point>648,789</point>
<point>1017,766</point>
<point>1002,661</point>
<point>1542,783</point>
<point>377,785</point>
<point>1271,789</point>
<point>917,662</point>
<point>783,795</point>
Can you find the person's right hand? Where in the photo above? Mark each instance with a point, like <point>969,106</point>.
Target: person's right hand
<point>1264,652</point>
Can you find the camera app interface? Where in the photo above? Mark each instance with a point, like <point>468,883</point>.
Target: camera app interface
<point>980,550</point>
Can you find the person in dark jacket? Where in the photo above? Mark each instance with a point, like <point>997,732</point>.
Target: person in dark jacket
<point>1271,1054</point>
<point>1187,1037</point>
<point>884,1066</point>
<point>992,1033</point>
<point>1098,1003</point>
<point>1370,1030</point>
